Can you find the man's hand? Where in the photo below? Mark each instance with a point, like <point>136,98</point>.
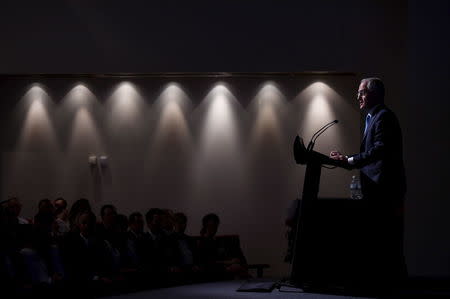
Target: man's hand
<point>335,155</point>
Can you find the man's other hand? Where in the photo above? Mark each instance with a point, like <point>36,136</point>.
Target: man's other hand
<point>335,155</point>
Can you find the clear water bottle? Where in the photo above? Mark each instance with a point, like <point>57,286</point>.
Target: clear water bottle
<point>355,188</point>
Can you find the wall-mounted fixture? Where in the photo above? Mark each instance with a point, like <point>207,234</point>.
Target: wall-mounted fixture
<point>92,160</point>
<point>103,161</point>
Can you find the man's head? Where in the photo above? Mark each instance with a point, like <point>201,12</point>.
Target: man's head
<point>167,221</point>
<point>85,222</point>
<point>153,218</point>
<point>45,206</point>
<point>108,213</point>
<point>136,222</point>
<point>370,93</point>
<point>13,206</point>
<point>180,222</point>
<point>210,224</point>
<point>60,204</point>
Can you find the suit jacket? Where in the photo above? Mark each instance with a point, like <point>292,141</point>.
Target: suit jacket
<point>381,157</point>
<point>84,261</point>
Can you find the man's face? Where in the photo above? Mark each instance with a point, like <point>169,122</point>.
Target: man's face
<point>109,217</point>
<point>211,228</point>
<point>180,225</point>
<point>155,223</point>
<point>59,204</point>
<point>138,224</point>
<point>83,223</point>
<point>364,98</point>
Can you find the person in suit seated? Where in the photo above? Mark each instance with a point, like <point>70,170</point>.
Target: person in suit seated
<point>167,221</point>
<point>62,216</point>
<point>121,240</point>
<point>43,242</point>
<point>219,259</point>
<point>172,253</point>
<point>84,255</point>
<point>186,247</point>
<point>107,230</point>
<point>159,253</point>
<point>152,249</point>
<point>45,206</point>
<point>79,206</point>
<point>185,242</point>
<point>135,236</point>
<point>14,207</point>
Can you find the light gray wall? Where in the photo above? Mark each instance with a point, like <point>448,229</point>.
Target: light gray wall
<point>228,151</point>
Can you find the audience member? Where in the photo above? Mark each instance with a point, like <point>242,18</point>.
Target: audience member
<point>45,206</point>
<point>220,260</point>
<point>135,238</point>
<point>14,207</point>
<point>167,221</point>
<point>84,254</point>
<point>107,231</point>
<point>106,228</point>
<point>185,242</point>
<point>62,217</point>
<point>79,206</point>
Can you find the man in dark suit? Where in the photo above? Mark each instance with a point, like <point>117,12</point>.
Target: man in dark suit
<point>383,181</point>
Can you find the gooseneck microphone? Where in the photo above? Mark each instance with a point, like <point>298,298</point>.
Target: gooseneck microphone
<point>318,133</point>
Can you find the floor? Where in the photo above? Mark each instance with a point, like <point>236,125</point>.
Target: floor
<point>220,290</point>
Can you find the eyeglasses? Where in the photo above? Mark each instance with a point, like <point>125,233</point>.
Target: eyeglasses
<point>361,92</point>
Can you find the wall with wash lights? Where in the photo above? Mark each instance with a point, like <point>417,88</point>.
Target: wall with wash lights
<point>196,145</point>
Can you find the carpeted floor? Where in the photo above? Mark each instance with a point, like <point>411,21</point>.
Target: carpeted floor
<point>219,290</point>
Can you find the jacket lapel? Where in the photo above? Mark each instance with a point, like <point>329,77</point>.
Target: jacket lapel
<point>372,120</point>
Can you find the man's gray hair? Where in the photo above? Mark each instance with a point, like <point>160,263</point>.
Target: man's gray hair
<point>375,86</point>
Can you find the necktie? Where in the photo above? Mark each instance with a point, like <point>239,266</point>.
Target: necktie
<point>367,123</point>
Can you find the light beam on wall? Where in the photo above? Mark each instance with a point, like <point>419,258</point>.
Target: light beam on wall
<point>126,117</point>
<point>80,95</point>
<point>37,131</point>
<point>172,127</point>
<point>32,162</point>
<point>219,134</point>
<point>219,168</point>
<point>319,101</point>
<point>77,110</point>
<point>85,138</point>
<point>126,105</point>
<point>268,110</point>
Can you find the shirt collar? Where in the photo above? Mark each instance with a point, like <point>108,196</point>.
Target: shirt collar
<point>372,111</point>
<point>84,238</point>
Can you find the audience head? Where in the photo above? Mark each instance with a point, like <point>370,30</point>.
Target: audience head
<point>153,218</point>
<point>210,224</point>
<point>81,205</point>
<point>45,206</point>
<point>109,215</point>
<point>13,206</point>
<point>44,220</point>
<point>180,222</point>
<point>85,223</point>
<point>167,221</point>
<point>60,205</point>
<point>136,222</point>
